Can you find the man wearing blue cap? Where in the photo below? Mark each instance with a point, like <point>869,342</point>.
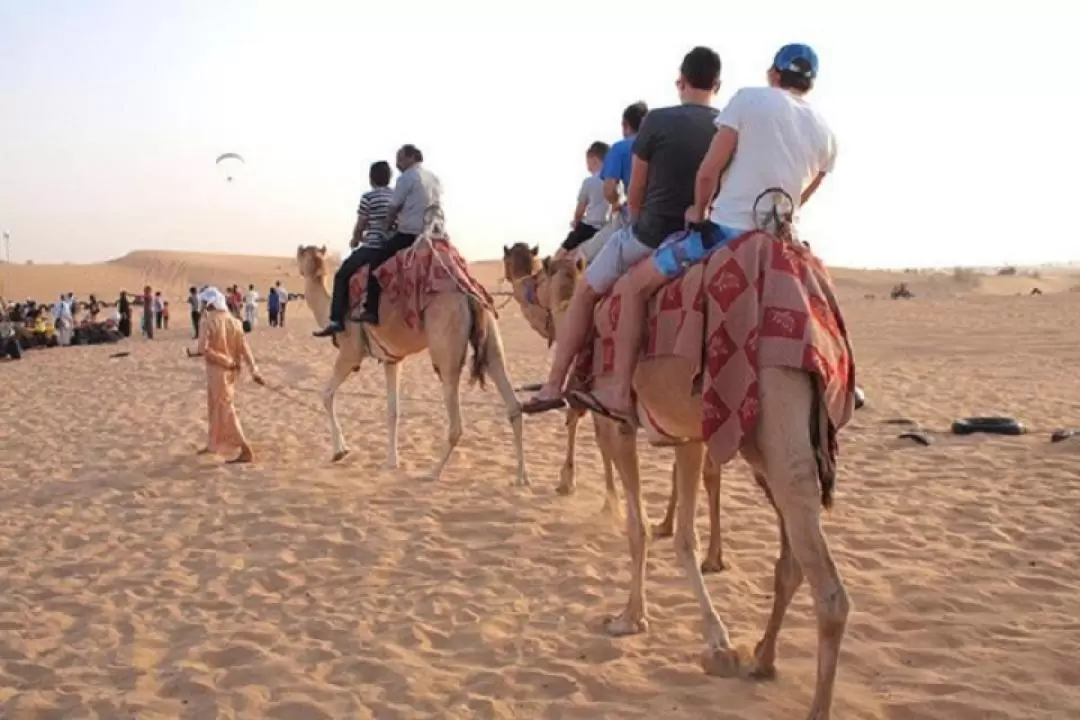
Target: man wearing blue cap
<point>766,137</point>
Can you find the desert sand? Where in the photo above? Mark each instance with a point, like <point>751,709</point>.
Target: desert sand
<point>139,581</point>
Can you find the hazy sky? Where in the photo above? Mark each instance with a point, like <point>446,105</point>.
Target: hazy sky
<point>957,122</point>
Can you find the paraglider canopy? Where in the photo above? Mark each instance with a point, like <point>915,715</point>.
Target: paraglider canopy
<point>229,164</point>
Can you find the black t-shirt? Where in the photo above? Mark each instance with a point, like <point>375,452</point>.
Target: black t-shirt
<point>673,140</point>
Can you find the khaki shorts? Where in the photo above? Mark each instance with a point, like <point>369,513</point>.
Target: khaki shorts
<point>591,247</point>
<point>615,258</point>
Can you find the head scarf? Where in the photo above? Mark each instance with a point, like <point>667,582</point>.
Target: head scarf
<point>213,299</point>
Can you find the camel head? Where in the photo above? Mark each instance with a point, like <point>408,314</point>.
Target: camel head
<point>311,261</point>
<point>563,275</point>
<point>520,261</point>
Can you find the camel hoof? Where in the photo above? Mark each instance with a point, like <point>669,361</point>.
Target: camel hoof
<point>567,482</point>
<point>760,669</point>
<point>721,662</point>
<point>762,672</point>
<point>340,455</point>
<point>621,627</point>
<point>710,567</point>
<point>663,530</point>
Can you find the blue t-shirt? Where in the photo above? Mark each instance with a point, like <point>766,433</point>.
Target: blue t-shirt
<point>617,163</point>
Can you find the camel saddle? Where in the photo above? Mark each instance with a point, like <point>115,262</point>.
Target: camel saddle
<point>755,302</point>
<point>413,276</point>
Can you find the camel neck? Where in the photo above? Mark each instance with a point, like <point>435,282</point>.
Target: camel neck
<point>317,299</point>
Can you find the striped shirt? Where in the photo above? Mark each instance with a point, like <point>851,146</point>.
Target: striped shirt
<point>375,206</point>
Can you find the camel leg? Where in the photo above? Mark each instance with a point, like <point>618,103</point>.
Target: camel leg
<point>787,578</point>
<point>666,527</point>
<point>606,444</point>
<point>720,658</point>
<point>567,481</point>
<point>393,385</point>
<point>714,557</point>
<point>496,370</point>
<point>783,440</point>
<point>343,367</point>
<point>451,380</point>
<point>624,445</point>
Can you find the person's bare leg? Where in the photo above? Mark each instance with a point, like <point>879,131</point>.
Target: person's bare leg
<point>570,337</point>
<point>645,280</point>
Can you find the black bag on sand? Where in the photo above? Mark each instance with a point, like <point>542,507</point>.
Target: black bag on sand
<point>247,326</point>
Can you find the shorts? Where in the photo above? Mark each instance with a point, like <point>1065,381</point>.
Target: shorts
<point>620,253</point>
<point>591,247</point>
<point>676,255</point>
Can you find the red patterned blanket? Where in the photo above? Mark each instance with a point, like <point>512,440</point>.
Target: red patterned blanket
<point>412,277</point>
<point>755,303</point>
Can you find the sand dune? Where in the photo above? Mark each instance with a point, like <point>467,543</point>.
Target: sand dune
<point>175,272</point>
<point>137,581</point>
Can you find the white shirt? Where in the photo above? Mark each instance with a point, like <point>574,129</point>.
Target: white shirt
<point>783,142</point>
<point>251,299</point>
<point>62,310</point>
<point>283,295</point>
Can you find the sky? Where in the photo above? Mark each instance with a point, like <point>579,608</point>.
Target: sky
<point>957,126</point>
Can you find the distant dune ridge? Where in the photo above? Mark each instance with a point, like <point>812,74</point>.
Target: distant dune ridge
<point>174,272</point>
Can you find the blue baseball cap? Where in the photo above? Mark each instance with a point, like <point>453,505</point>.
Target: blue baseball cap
<point>797,58</point>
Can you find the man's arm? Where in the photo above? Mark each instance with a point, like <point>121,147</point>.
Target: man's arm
<point>358,231</point>
<point>721,150</point>
<point>811,188</point>
<point>582,203</point>
<point>402,188</point>
<point>827,167</point>
<point>635,196</point>
<point>641,155</point>
<point>610,174</point>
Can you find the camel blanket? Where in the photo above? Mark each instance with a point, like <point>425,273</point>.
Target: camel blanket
<point>412,277</point>
<point>755,303</point>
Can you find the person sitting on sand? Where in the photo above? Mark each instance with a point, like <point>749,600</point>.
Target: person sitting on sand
<point>223,344</point>
<point>417,189</point>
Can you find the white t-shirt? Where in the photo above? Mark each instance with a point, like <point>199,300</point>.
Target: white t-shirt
<point>783,142</point>
<point>251,299</point>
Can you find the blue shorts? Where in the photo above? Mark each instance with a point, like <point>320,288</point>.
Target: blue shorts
<point>676,255</point>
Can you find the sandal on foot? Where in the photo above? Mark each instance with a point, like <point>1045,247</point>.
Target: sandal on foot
<point>583,400</point>
<point>536,405</point>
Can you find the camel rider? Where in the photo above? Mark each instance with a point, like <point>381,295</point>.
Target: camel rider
<point>766,137</point>
<point>615,173</point>
<point>372,230</point>
<point>666,153</point>
<point>416,189</point>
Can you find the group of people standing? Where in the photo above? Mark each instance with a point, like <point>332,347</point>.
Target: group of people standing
<point>244,307</point>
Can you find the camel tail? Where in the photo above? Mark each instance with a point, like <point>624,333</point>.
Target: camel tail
<point>823,436</point>
<point>479,320</point>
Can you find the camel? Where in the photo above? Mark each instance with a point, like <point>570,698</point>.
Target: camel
<point>450,322</point>
<point>786,451</point>
<point>533,288</point>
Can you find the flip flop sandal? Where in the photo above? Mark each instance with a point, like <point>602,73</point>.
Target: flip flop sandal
<point>535,406</point>
<point>587,401</point>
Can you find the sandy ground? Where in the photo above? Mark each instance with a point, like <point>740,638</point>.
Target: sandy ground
<point>138,581</point>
